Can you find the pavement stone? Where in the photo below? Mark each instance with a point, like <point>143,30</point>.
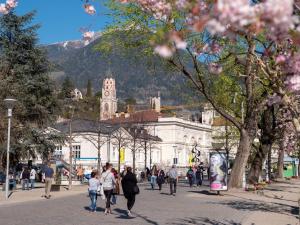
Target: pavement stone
<point>190,206</point>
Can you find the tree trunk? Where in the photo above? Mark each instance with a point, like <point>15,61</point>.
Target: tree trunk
<point>145,155</point>
<point>267,126</point>
<point>119,160</point>
<point>133,158</point>
<point>280,162</point>
<point>269,163</point>
<point>241,159</point>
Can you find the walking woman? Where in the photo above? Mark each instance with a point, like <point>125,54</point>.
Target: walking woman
<point>94,183</point>
<point>160,178</point>
<point>108,181</point>
<point>154,173</point>
<point>129,186</point>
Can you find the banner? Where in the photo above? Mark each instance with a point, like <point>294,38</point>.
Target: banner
<point>191,157</point>
<point>122,155</point>
<point>218,171</point>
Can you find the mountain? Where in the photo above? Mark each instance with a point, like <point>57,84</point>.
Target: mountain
<point>134,77</point>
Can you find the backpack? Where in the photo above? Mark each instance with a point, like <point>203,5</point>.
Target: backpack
<point>190,174</point>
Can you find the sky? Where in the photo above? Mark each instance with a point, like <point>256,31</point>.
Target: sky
<point>61,20</point>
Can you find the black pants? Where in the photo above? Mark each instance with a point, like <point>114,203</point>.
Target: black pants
<point>108,194</point>
<point>130,201</point>
<point>173,184</point>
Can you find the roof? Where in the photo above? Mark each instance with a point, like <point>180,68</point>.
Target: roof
<point>91,126</point>
<point>141,133</point>
<point>84,125</point>
<point>137,117</point>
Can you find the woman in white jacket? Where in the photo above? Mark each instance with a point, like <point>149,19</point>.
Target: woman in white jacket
<point>108,182</point>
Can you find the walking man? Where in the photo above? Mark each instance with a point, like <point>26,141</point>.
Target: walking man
<point>32,177</point>
<point>48,179</point>
<point>173,177</point>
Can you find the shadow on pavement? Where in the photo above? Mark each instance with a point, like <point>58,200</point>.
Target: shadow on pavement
<point>205,192</point>
<point>203,221</point>
<point>99,209</point>
<point>262,207</point>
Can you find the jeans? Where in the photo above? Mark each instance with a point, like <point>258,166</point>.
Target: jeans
<point>25,182</point>
<point>32,182</point>
<point>93,197</point>
<point>108,194</point>
<point>173,184</point>
<point>153,181</point>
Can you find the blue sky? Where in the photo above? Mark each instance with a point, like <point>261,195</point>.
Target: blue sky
<point>61,20</point>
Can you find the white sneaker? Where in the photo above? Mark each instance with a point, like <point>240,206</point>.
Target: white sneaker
<point>129,213</point>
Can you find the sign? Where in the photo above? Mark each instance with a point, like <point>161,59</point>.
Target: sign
<point>218,171</point>
<point>122,155</point>
<point>191,159</point>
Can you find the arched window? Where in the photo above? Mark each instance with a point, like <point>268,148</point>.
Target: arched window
<point>106,107</point>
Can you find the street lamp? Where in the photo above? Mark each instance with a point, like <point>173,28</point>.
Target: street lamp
<point>9,102</point>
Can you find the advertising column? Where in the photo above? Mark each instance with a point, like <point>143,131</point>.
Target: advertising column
<point>218,171</point>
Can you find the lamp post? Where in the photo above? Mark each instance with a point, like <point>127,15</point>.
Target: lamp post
<point>9,102</point>
<point>70,147</point>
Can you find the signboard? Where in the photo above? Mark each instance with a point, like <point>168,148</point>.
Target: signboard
<point>218,171</point>
<point>122,155</point>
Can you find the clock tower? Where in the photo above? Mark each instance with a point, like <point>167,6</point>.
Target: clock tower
<point>108,102</point>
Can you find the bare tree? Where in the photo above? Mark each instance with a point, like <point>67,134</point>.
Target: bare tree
<point>121,138</point>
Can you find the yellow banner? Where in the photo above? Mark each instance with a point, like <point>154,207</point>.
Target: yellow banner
<point>122,155</point>
<point>191,159</point>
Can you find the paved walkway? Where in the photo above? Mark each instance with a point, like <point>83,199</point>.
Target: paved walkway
<point>277,205</point>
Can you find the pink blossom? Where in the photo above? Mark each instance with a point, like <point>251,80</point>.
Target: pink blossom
<point>215,68</point>
<point>89,9</point>
<point>179,42</point>
<point>11,3</point>
<point>164,51</point>
<point>3,9</point>
<point>88,35</point>
<point>280,59</point>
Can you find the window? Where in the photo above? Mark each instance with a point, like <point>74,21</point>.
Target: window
<point>58,151</point>
<point>76,151</point>
<point>114,153</point>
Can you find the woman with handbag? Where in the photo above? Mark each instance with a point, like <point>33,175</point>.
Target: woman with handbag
<point>108,181</point>
<point>130,189</point>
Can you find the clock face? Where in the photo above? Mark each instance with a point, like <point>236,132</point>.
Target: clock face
<point>106,93</point>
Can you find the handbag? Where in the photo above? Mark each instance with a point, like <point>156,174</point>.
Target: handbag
<point>100,192</point>
<point>136,189</point>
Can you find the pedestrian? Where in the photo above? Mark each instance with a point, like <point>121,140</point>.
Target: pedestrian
<point>124,171</point>
<point>32,177</point>
<point>25,179</point>
<point>116,189</point>
<point>94,184</point>
<point>48,179</point>
<point>190,176</point>
<point>80,174</point>
<point>173,180</point>
<point>160,178</point>
<point>129,186</point>
<point>148,174</point>
<point>154,174</point>
<point>108,181</point>
<point>199,176</point>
